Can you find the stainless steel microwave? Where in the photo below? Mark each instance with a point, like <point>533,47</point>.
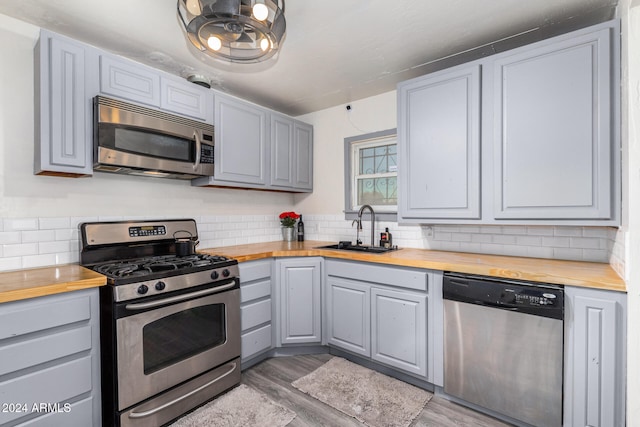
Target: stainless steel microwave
<point>135,140</point>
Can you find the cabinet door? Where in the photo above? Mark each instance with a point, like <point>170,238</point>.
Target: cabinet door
<point>241,141</point>
<point>348,315</point>
<point>552,130</point>
<point>299,298</point>
<point>398,329</point>
<point>439,145</point>
<point>595,358</point>
<point>187,99</point>
<point>303,163</point>
<point>128,80</point>
<point>282,151</point>
<point>64,129</point>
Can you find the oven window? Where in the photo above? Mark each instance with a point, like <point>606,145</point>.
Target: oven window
<point>155,145</point>
<point>182,335</point>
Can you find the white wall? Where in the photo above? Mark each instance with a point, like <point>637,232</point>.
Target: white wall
<point>630,16</point>
<point>25,195</point>
<point>331,127</point>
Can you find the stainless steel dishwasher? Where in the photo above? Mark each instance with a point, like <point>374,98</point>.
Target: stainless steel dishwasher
<point>504,346</point>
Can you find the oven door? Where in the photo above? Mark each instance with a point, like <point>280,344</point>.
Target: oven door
<point>165,342</point>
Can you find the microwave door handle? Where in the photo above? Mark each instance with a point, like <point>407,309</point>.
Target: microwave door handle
<point>198,149</point>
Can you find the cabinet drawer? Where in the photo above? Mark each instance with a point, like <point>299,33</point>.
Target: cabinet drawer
<point>40,349</point>
<point>392,276</point>
<point>24,317</point>
<point>255,290</point>
<point>250,271</point>
<point>54,384</point>
<point>255,314</point>
<point>256,341</point>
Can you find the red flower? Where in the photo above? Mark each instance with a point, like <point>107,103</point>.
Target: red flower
<point>288,219</point>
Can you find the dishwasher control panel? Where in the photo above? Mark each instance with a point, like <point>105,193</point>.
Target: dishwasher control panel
<point>527,297</point>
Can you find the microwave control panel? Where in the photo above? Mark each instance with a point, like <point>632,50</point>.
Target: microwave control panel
<point>206,154</point>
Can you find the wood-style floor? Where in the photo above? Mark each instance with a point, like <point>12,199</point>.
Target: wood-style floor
<point>274,377</point>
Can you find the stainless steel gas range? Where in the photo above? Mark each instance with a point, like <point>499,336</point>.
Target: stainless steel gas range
<point>170,325</point>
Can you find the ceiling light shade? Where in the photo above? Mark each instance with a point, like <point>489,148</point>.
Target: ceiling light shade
<point>243,31</point>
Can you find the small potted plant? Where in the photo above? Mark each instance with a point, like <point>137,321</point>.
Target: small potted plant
<point>287,221</point>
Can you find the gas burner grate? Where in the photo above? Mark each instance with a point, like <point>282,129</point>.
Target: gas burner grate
<point>154,264</point>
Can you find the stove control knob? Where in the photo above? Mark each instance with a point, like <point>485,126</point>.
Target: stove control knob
<point>215,275</point>
<point>226,272</point>
<point>160,286</point>
<point>143,289</point>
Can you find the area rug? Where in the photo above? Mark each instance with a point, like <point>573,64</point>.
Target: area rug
<point>242,406</point>
<point>370,397</point>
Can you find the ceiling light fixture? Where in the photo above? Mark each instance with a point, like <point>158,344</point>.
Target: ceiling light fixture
<point>243,31</point>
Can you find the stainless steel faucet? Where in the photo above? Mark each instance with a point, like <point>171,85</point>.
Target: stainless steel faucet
<point>373,221</point>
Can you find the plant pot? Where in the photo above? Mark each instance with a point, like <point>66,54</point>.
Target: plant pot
<point>287,234</point>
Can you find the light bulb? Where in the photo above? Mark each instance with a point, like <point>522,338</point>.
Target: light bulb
<point>264,44</point>
<point>260,11</point>
<point>193,6</point>
<point>214,43</point>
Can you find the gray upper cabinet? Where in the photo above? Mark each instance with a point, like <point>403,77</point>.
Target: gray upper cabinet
<point>553,130</point>
<point>135,82</point>
<point>259,148</point>
<point>526,136</point>
<point>291,153</point>
<point>64,86</point>
<point>439,145</point>
<point>127,80</point>
<point>303,156</point>
<point>282,146</point>
<point>241,142</point>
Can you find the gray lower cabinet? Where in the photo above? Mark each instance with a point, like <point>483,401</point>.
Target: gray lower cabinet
<point>255,308</point>
<point>50,353</point>
<point>388,314</point>
<point>298,303</point>
<point>66,80</point>
<point>595,362</point>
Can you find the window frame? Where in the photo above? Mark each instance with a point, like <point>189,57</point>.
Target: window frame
<point>350,164</point>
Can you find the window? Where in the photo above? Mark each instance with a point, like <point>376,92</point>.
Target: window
<point>371,171</point>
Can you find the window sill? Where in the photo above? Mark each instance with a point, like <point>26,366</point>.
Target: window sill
<point>380,216</point>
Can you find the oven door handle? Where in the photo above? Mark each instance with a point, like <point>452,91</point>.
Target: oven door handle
<point>184,396</point>
<point>178,298</point>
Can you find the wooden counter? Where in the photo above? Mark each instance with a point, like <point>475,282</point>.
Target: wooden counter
<point>38,282</point>
<point>30,283</point>
<point>574,273</point>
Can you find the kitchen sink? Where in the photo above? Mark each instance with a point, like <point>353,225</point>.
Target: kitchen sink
<point>347,246</point>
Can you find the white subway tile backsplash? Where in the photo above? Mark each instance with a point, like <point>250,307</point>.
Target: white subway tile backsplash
<point>54,223</point>
<point>20,249</point>
<point>10,237</point>
<point>38,236</point>
<point>17,224</point>
<point>37,242</point>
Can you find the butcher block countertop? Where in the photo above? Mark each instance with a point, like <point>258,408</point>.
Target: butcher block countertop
<point>38,282</point>
<point>573,273</point>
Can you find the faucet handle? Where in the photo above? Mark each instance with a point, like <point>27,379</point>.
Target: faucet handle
<point>358,223</point>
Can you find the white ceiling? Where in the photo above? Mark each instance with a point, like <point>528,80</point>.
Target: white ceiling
<point>335,51</point>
